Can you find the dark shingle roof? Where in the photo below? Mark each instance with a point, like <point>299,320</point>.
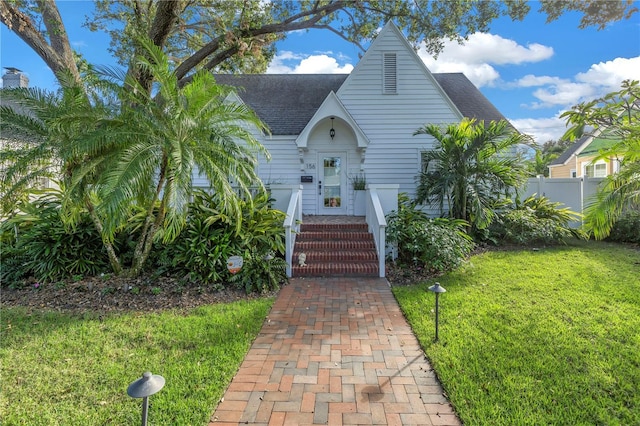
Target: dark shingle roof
<point>466,96</point>
<point>569,152</point>
<point>286,102</point>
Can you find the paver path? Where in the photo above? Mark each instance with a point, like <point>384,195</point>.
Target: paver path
<point>335,351</point>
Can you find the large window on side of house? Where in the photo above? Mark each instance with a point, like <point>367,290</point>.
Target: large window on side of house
<point>389,73</point>
<point>596,170</point>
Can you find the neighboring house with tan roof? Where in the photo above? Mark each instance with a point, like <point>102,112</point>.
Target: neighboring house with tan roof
<point>579,159</point>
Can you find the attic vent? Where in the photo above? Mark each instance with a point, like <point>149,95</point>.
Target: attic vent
<point>390,74</point>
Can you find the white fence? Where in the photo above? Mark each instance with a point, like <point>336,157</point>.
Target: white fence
<point>574,193</point>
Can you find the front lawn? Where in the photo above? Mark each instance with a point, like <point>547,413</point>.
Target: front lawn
<point>65,369</point>
<point>548,337</point>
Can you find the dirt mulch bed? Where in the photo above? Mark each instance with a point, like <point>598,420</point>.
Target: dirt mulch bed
<point>108,294</point>
<point>113,294</point>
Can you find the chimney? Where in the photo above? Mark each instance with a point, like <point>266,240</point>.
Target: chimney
<point>14,78</point>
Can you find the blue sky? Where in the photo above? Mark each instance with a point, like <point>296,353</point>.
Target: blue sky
<point>531,71</point>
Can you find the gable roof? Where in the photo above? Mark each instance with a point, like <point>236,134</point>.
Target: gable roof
<point>604,141</point>
<point>286,102</point>
<point>588,145</point>
<point>573,149</point>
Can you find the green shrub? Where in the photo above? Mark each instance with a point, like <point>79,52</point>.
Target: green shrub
<point>210,237</point>
<point>536,220</point>
<point>260,273</point>
<point>627,228</point>
<point>48,249</point>
<point>437,244</point>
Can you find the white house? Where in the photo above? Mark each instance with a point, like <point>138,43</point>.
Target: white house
<point>326,128</point>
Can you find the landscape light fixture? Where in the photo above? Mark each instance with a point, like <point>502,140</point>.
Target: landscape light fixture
<point>332,132</point>
<point>143,388</point>
<point>437,289</point>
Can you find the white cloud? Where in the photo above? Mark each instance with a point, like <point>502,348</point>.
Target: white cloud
<point>598,80</point>
<point>610,74</point>
<point>564,94</point>
<point>287,62</point>
<point>531,80</point>
<point>541,129</point>
<point>475,57</point>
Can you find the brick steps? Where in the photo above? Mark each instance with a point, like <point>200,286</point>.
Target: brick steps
<point>337,249</point>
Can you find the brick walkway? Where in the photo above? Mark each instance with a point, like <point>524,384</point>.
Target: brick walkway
<point>335,351</point>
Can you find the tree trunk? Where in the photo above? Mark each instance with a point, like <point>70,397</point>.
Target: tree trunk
<point>57,55</point>
<point>113,258</point>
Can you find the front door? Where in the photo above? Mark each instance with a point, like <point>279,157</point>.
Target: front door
<point>332,184</point>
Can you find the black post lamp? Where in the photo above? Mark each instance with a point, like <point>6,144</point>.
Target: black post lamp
<point>437,289</point>
<point>332,132</point>
<point>143,388</point>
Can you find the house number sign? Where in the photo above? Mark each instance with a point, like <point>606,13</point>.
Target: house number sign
<point>310,166</point>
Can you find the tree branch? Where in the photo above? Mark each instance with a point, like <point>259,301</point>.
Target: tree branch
<point>58,36</point>
<point>292,23</point>
<point>22,25</point>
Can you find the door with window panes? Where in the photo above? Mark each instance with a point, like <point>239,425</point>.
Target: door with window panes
<point>332,184</point>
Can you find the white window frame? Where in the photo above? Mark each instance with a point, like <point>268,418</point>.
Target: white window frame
<point>598,169</point>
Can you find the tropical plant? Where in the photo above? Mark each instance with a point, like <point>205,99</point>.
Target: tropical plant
<point>38,243</point>
<point>617,116</point>
<point>159,142</point>
<point>359,181</point>
<point>470,170</point>
<point>535,220</point>
<point>210,237</point>
<point>261,272</point>
<point>123,148</point>
<point>627,227</point>
<point>437,244</point>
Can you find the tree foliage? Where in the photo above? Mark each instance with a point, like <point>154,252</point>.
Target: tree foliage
<point>616,116</point>
<point>239,35</point>
<point>470,169</point>
<point>121,147</point>
<point>544,155</point>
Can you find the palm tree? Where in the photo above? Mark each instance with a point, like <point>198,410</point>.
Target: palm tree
<point>122,148</point>
<point>159,141</point>
<point>470,169</point>
<point>36,146</point>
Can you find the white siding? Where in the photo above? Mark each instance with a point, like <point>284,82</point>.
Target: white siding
<point>389,120</point>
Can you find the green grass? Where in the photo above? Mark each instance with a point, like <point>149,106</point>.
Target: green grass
<point>549,337</point>
<point>60,369</point>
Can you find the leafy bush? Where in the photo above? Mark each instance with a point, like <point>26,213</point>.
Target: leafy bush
<point>42,245</point>
<point>210,237</point>
<point>437,244</point>
<point>535,220</point>
<point>627,228</point>
<point>260,273</point>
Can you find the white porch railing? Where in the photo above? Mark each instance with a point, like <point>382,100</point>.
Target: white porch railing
<point>377,226</point>
<point>292,220</point>
<point>381,200</point>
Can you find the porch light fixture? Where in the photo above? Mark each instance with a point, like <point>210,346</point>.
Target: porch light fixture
<point>143,388</point>
<point>437,289</point>
<point>332,132</point>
